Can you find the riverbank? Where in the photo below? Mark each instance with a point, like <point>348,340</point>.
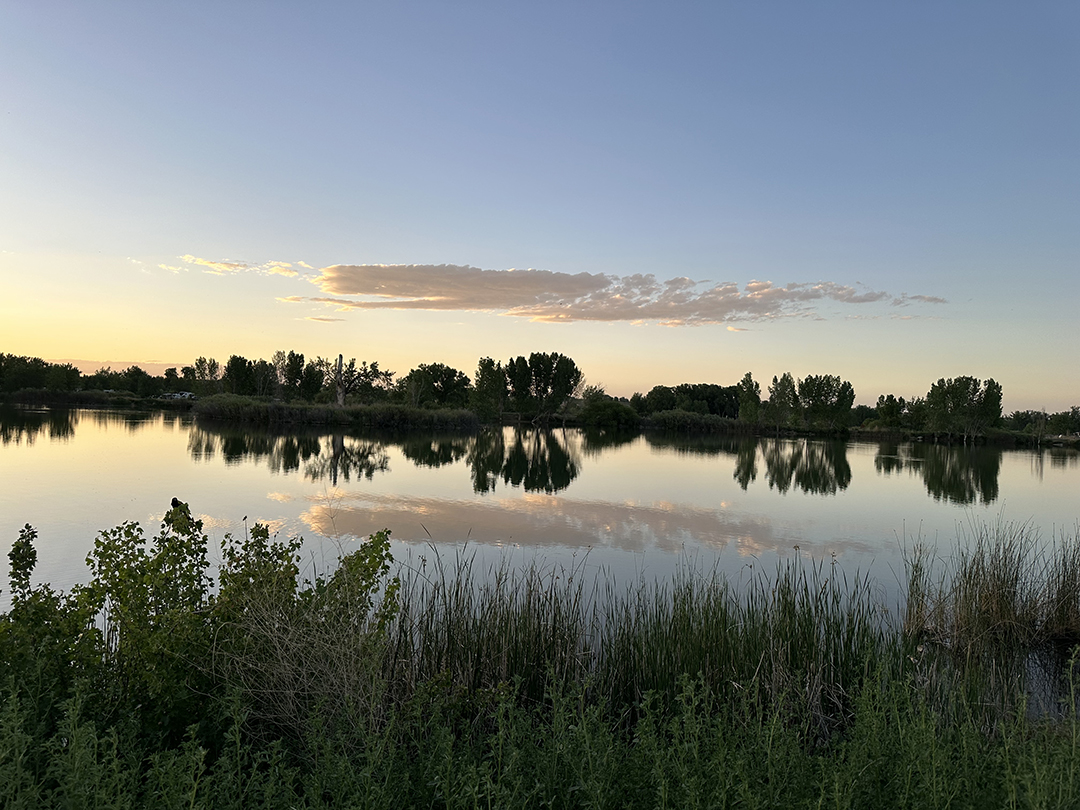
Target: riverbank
<point>438,685</point>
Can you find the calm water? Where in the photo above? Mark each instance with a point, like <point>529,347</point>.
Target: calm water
<point>633,505</point>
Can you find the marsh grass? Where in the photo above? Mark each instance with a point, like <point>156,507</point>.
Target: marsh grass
<point>443,685</point>
<point>383,416</point>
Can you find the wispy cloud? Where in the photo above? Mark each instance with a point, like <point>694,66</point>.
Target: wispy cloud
<point>544,295</point>
<point>323,320</point>
<point>737,329</point>
<point>904,299</point>
<point>222,268</point>
<point>215,267</point>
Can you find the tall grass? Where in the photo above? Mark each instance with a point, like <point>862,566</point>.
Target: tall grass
<point>441,685</point>
<point>804,634</point>
<point>386,416</point>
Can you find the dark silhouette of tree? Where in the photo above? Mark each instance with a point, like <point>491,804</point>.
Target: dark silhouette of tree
<point>963,407</point>
<point>826,400</point>
<point>490,392</point>
<point>749,400</point>
<point>541,385</point>
<point>366,382</point>
<point>783,407</point>
<point>435,385</point>
<point>239,376</point>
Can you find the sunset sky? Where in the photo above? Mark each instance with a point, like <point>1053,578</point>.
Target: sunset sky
<point>666,192</point>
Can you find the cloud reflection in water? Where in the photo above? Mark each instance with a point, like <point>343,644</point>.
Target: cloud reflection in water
<point>542,520</point>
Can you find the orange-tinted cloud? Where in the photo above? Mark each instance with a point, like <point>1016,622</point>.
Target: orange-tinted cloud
<point>544,295</point>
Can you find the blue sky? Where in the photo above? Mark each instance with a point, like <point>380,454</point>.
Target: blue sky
<point>886,192</point>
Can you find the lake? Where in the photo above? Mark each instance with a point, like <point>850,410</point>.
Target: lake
<point>629,506</point>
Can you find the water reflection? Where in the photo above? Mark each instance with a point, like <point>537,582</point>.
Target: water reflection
<point>335,457</point>
<point>953,473</point>
<point>818,467</point>
<point>541,520</point>
<point>807,465</point>
<point>435,451</point>
<point>536,460</point>
<point>18,425</point>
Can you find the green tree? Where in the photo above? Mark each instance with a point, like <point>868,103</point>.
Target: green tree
<point>749,399</point>
<point>435,384</point>
<point>490,392</point>
<point>172,380</point>
<point>551,380</point>
<point>265,378</point>
<point>826,400</point>
<point>963,407</point>
<point>783,401</point>
<point>239,376</point>
<point>364,380</point>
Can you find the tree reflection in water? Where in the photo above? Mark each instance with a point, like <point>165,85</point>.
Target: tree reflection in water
<point>537,460</point>
<point>435,451</point>
<point>817,467</point>
<point>18,425</point>
<point>356,457</point>
<point>957,473</point>
<point>334,457</point>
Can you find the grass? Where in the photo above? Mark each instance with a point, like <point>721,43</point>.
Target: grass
<point>440,685</point>
<point>253,410</point>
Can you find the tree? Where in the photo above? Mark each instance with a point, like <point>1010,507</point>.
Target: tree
<point>350,378</point>
<point>239,377</point>
<point>541,385</point>
<point>963,406</point>
<point>265,379</point>
<point>783,401</point>
<point>435,384</point>
<point>490,391</point>
<point>826,400</point>
<point>291,373</point>
<point>749,399</point>
<point>172,380</point>
<point>311,381</point>
<point>207,372</point>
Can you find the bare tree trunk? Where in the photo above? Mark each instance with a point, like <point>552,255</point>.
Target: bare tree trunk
<point>339,383</point>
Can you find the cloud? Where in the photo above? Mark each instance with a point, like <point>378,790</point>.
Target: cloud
<point>544,295</point>
<point>323,320</point>
<point>217,268</point>
<point>221,268</point>
<point>737,329</point>
<point>904,299</point>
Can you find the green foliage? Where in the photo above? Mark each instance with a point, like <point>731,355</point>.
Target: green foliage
<point>532,688</point>
<point>826,400</point>
<point>749,391</point>
<point>435,385</point>
<point>490,393</point>
<point>605,413</point>
<point>783,405</point>
<point>239,377</point>
<point>963,407</point>
<point>543,384</point>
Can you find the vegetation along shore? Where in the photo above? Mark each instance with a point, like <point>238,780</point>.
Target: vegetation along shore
<point>542,389</point>
<point>434,685</point>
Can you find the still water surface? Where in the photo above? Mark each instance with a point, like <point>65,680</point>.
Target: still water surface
<point>632,506</point>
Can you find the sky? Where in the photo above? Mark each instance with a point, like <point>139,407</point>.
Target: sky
<point>665,192</point>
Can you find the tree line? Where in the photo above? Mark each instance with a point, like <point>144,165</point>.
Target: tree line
<point>543,386</point>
